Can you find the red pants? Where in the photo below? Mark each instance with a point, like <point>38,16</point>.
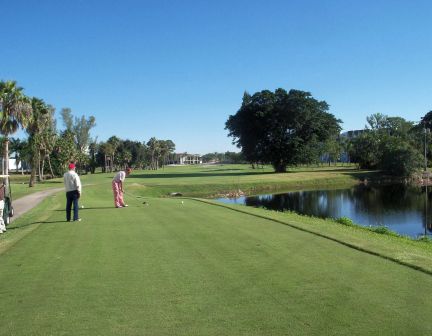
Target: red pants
<point>118,194</point>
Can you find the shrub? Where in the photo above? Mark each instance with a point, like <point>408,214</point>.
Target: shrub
<point>400,159</point>
<point>345,221</point>
<point>425,239</point>
<point>383,230</point>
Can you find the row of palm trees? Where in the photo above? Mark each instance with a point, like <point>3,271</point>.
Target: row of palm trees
<point>15,112</point>
<point>31,114</point>
<point>44,145</point>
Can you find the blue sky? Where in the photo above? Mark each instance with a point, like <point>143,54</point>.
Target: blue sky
<point>177,69</point>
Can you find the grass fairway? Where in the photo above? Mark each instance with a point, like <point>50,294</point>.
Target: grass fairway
<point>197,269</point>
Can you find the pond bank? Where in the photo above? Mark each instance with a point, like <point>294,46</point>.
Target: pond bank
<point>415,254</point>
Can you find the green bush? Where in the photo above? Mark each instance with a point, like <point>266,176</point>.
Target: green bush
<point>345,221</point>
<point>383,230</point>
<point>400,159</point>
<point>425,239</point>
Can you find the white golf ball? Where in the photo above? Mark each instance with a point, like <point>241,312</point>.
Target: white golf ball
<point>182,202</point>
<point>82,206</point>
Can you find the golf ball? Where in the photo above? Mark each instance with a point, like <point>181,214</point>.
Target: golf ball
<point>182,202</point>
<point>82,206</point>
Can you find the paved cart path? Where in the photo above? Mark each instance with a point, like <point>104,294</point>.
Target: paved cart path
<point>28,202</point>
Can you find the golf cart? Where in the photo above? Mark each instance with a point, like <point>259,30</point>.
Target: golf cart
<point>6,195</point>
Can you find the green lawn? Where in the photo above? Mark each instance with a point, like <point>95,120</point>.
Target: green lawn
<point>211,180</point>
<point>200,269</point>
<point>204,181</point>
<point>20,188</point>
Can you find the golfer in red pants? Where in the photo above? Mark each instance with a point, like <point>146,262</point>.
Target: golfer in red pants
<point>117,187</point>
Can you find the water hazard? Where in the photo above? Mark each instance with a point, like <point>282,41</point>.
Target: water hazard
<point>403,209</point>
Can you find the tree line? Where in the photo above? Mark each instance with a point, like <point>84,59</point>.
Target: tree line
<point>293,128</point>
<point>227,157</point>
<point>49,150</point>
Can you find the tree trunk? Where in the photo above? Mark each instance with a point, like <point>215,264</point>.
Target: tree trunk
<point>39,171</point>
<point>43,167</point>
<point>279,167</point>
<point>34,165</point>
<point>6,155</point>
<point>16,162</point>
<point>50,167</point>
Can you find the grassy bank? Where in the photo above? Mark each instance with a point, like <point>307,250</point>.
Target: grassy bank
<point>208,181</point>
<point>416,254</point>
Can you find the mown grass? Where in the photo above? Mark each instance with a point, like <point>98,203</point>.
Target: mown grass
<point>207,181</point>
<point>195,268</point>
<point>20,188</point>
<point>414,253</point>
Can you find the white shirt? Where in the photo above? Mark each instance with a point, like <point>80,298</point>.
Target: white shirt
<point>72,181</point>
<point>120,176</point>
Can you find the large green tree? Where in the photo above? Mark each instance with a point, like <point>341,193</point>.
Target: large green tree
<point>167,147</point>
<point>15,111</point>
<point>104,149</point>
<point>114,148</point>
<point>138,151</point>
<point>64,152</point>
<point>80,128</point>
<point>391,144</point>
<point>426,120</point>
<point>154,148</point>
<point>282,128</point>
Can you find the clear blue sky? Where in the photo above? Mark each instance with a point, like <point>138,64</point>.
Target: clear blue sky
<point>177,69</point>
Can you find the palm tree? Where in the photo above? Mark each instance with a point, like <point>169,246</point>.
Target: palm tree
<point>115,143</point>
<point>39,122</point>
<point>154,148</point>
<point>15,111</point>
<point>16,146</point>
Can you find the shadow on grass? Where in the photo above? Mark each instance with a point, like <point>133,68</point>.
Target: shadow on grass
<point>345,171</point>
<point>53,182</point>
<point>204,174</point>
<point>354,173</point>
<point>216,170</point>
<point>89,208</point>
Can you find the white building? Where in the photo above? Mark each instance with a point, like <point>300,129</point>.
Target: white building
<point>184,159</point>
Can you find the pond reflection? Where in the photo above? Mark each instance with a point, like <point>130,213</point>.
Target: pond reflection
<point>399,207</point>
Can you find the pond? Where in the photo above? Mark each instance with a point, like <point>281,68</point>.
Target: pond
<point>401,208</point>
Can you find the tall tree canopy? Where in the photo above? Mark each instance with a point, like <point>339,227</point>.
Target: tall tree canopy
<point>80,127</point>
<point>426,121</point>
<point>282,128</point>
<point>15,111</point>
<point>391,144</point>
<point>42,133</point>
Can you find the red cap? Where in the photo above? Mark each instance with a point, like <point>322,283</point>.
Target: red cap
<point>71,165</point>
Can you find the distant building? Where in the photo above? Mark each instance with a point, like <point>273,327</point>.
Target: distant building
<point>352,134</point>
<point>21,166</point>
<point>184,159</point>
<point>349,135</point>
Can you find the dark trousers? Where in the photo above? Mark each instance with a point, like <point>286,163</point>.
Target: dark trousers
<point>72,197</point>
